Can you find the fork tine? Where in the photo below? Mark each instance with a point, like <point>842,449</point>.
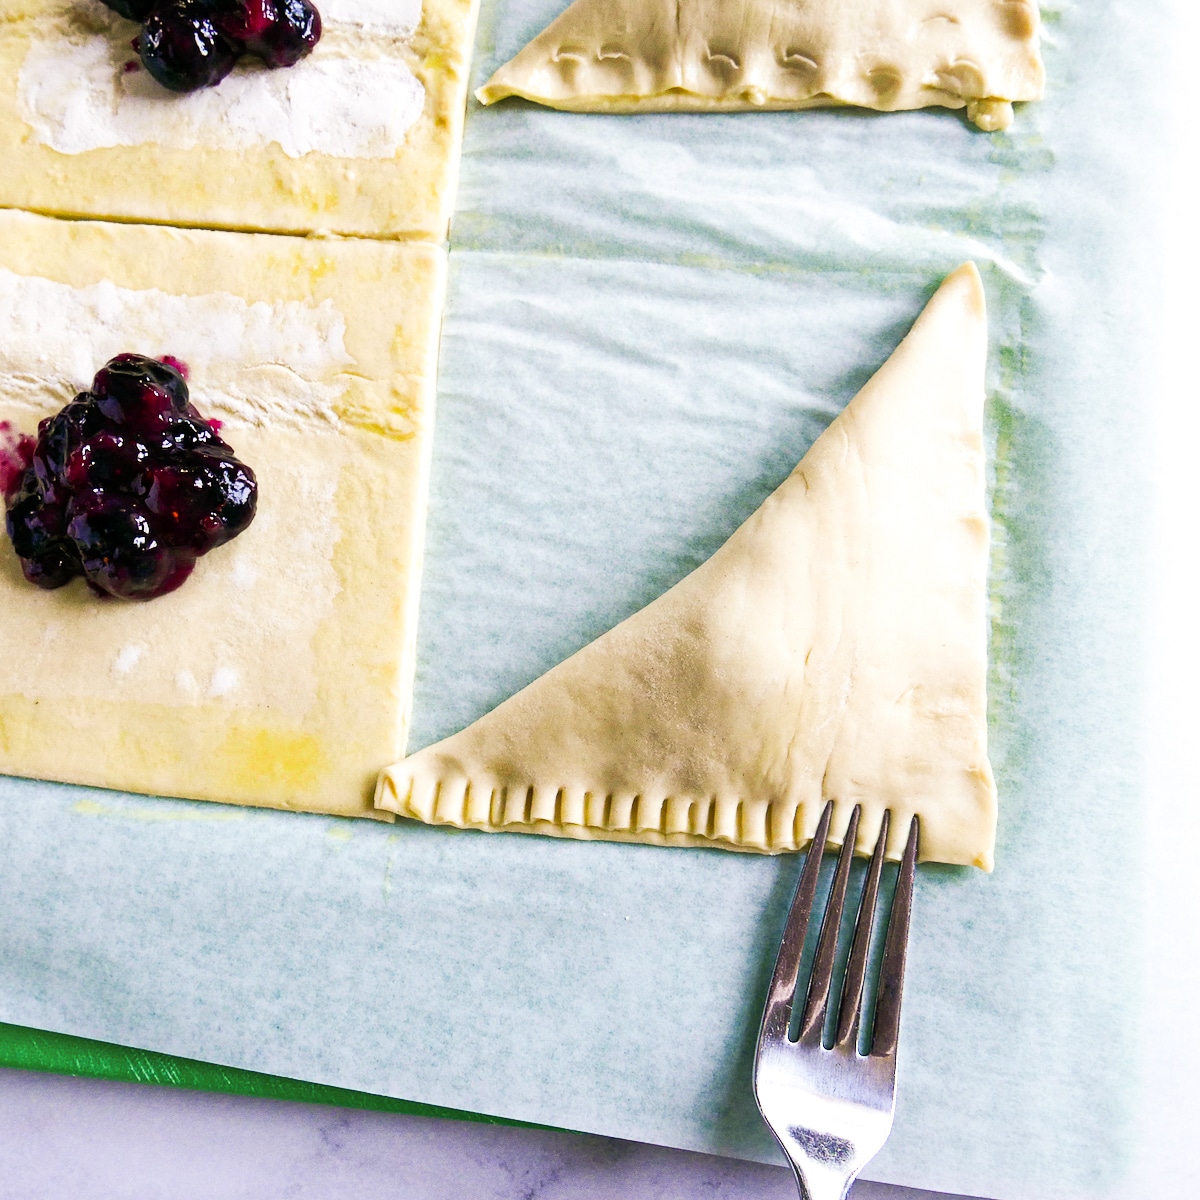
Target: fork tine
<point>778,1013</point>
<point>850,1010</point>
<point>813,1023</point>
<point>891,972</point>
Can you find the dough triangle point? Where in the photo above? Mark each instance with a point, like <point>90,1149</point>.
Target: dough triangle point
<point>835,648</point>
<point>728,55</point>
<point>595,48</point>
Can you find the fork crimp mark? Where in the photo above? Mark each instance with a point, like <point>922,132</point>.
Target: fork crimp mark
<point>831,1109</point>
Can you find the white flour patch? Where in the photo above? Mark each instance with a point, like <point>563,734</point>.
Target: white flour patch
<point>256,362</point>
<point>76,93</point>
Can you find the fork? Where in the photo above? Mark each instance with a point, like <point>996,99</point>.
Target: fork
<point>831,1107</point>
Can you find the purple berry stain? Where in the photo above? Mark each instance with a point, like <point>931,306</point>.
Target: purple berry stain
<point>16,453</point>
<point>181,368</point>
<point>127,485</point>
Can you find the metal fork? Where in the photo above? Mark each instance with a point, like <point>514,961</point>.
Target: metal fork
<point>830,1108</point>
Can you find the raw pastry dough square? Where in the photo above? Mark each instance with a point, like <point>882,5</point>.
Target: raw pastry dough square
<point>280,674</point>
<point>362,137</point>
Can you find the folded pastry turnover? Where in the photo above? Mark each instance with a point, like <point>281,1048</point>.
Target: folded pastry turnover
<point>835,648</point>
<point>660,55</point>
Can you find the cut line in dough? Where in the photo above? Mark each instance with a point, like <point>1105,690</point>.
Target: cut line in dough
<point>729,55</point>
<point>835,648</point>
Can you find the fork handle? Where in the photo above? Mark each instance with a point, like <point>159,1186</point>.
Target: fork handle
<point>816,1184</point>
<point>825,1166</point>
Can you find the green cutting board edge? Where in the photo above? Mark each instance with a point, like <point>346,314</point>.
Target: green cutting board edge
<point>63,1054</point>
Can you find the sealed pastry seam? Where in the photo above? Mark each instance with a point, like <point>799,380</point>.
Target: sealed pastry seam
<point>730,55</point>
<point>833,649</point>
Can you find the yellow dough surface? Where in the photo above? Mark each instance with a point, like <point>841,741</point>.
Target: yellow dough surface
<point>723,55</point>
<point>362,137</point>
<point>280,673</point>
<point>835,648</point>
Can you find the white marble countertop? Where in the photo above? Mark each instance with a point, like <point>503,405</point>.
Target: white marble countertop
<point>63,1137</point>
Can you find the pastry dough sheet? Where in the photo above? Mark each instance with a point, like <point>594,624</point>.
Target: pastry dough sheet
<point>281,673</point>
<point>298,179</point>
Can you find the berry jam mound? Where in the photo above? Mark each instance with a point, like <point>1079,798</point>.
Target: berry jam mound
<point>127,486</point>
<point>291,33</point>
<point>182,46</point>
<point>192,44</point>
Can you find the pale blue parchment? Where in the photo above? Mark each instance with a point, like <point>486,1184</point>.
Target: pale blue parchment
<point>649,321</point>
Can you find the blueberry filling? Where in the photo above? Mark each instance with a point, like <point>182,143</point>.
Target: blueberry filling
<point>127,486</point>
<point>191,44</point>
<point>292,33</point>
<point>182,47</point>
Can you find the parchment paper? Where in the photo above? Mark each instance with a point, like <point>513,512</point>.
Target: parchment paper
<point>650,319</point>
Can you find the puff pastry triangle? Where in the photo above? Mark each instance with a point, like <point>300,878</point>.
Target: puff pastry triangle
<point>656,55</point>
<point>833,649</point>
